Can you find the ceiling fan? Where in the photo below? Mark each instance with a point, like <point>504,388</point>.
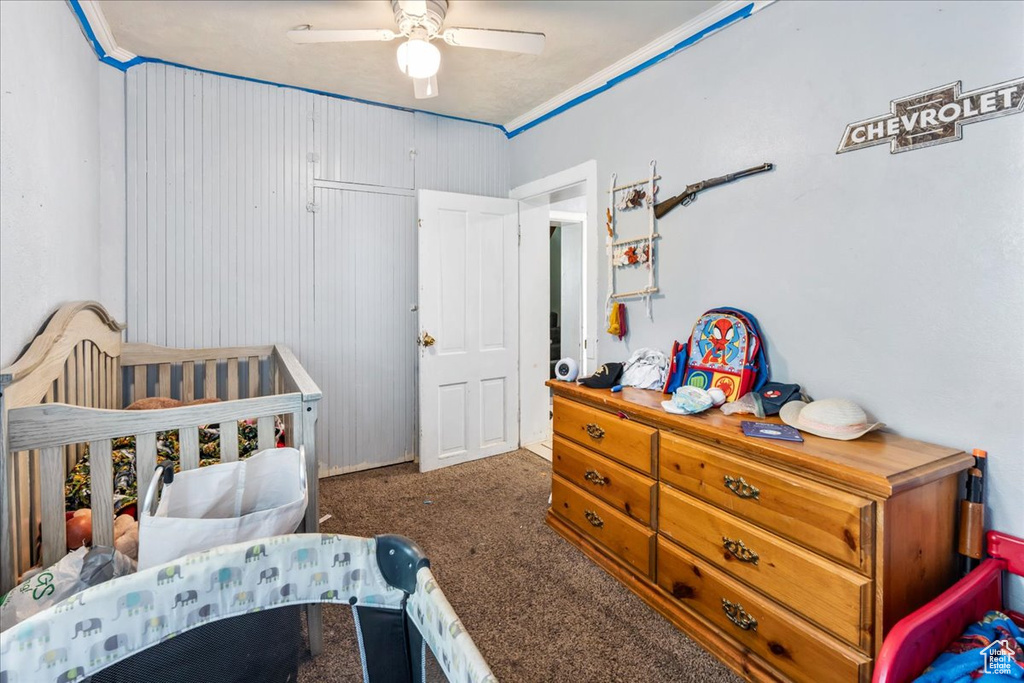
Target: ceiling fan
<point>419,22</point>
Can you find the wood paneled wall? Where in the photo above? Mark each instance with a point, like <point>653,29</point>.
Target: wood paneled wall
<point>225,218</point>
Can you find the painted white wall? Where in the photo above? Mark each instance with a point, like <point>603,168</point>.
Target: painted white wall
<point>61,176</point>
<point>894,280</point>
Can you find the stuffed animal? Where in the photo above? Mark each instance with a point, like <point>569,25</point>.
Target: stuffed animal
<point>126,536</point>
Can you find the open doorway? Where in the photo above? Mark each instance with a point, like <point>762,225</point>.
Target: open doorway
<point>557,285</point>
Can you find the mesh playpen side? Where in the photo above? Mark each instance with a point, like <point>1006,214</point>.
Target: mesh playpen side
<point>65,395</point>
<point>230,614</point>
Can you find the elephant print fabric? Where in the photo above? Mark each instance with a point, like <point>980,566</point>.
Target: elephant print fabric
<point>111,621</point>
<point>440,627</point>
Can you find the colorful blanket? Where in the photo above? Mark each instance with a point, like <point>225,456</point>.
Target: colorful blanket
<point>77,491</point>
<point>989,650</point>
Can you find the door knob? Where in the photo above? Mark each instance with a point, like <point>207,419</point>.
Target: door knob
<point>426,340</point>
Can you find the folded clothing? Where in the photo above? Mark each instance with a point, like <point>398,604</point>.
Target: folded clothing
<point>989,650</point>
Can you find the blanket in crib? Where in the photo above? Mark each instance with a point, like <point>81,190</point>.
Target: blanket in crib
<point>77,490</point>
<point>989,650</point>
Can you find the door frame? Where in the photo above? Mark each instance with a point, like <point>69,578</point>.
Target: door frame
<point>585,173</point>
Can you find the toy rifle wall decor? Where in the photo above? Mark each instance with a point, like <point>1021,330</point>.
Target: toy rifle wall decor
<point>690,193</point>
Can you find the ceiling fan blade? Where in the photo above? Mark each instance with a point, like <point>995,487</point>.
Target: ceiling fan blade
<point>308,35</point>
<point>414,8</point>
<point>425,88</point>
<point>493,39</point>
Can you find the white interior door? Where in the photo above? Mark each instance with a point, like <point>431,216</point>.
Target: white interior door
<point>469,308</point>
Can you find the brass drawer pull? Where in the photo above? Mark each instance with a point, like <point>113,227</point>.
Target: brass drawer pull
<point>741,488</point>
<point>593,518</point>
<point>594,431</point>
<point>737,615</point>
<point>594,478</point>
<point>740,551</point>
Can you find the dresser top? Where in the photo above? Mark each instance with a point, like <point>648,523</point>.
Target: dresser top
<point>878,463</point>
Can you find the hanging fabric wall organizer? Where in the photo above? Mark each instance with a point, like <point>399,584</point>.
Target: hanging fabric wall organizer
<point>638,251</point>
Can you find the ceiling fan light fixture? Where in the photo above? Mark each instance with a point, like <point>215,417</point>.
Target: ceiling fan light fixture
<point>418,58</point>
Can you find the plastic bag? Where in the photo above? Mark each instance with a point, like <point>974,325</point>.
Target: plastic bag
<point>744,405</point>
<point>43,590</point>
<point>103,563</point>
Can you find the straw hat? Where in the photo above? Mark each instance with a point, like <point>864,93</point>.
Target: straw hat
<point>833,418</point>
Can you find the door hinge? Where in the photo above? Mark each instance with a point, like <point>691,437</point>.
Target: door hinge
<point>313,207</point>
<point>419,222</point>
<point>313,157</point>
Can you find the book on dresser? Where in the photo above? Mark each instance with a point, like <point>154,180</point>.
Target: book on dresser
<point>787,560</point>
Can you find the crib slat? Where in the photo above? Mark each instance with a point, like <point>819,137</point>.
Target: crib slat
<point>265,431</point>
<point>274,376</point>
<point>139,385</point>
<point>101,479</point>
<point>232,379</point>
<point>188,381</point>
<point>163,387</point>
<point>84,377</point>
<point>254,377</point>
<point>98,375</point>
<point>73,386</point>
<point>145,462</point>
<point>22,498</point>
<point>118,384</point>
<point>188,438</point>
<point>210,382</point>
<point>55,541</point>
<point>229,441</point>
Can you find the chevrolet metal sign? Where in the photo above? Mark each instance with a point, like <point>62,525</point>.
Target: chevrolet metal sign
<point>933,117</point>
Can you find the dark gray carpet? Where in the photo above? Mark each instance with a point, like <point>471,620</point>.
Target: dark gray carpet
<point>536,607</point>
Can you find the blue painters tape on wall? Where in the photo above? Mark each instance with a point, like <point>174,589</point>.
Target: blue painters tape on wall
<point>742,13</point>
<point>76,7</point>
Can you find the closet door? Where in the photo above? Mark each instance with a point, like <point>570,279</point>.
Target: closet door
<point>363,350</point>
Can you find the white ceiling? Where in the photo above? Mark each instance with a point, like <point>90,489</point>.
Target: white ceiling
<point>248,39</point>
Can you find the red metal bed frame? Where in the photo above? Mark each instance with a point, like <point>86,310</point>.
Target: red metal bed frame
<point>917,639</point>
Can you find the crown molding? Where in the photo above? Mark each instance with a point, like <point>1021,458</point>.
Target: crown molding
<point>101,29</point>
<point>661,47</point>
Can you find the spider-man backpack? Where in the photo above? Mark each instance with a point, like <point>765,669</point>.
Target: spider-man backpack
<point>725,350</point>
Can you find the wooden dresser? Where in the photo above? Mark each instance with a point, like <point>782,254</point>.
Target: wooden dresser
<point>785,560</point>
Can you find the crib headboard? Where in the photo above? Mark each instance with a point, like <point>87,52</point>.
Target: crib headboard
<point>75,359</point>
<point>79,347</point>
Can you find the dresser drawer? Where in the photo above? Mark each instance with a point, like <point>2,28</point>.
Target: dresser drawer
<point>832,596</point>
<point>630,443</point>
<point>630,541</point>
<point>782,639</point>
<point>834,523</point>
<point>616,485</point>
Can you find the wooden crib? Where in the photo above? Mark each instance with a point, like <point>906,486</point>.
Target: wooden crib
<point>68,388</point>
